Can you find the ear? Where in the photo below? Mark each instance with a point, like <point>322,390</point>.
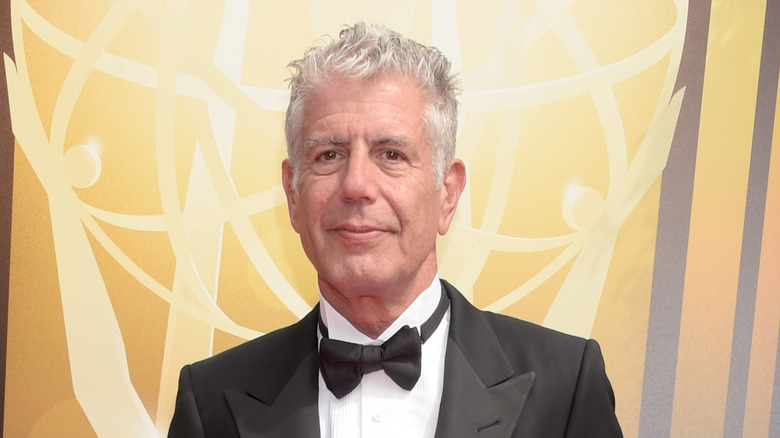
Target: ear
<point>289,191</point>
<point>450,190</point>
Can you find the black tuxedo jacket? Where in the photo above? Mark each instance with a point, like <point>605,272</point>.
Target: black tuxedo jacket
<point>503,377</point>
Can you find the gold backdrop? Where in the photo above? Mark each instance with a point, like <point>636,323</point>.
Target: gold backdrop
<point>150,230</point>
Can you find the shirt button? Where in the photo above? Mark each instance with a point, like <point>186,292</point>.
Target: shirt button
<point>377,417</point>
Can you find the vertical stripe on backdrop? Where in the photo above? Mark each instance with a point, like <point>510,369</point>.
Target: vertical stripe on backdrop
<point>753,226</point>
<point>763,399</point>
<point>763,355</point>
<point>671,241</point>
<point>717,217</point>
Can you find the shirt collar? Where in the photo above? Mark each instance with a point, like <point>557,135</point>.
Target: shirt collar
<point>417,313</point>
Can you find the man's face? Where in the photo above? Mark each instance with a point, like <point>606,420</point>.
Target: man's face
<point>367,207</point>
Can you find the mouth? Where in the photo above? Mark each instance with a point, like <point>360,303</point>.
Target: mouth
<point>359,233</point>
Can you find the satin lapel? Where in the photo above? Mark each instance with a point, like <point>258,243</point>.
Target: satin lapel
<point>294,413</point>
<point>282,401</point>
<point>471,409</point>
<point>482,396</point>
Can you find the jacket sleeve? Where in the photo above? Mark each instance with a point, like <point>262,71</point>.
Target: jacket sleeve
<point>593,409</point>
<point>186,422</point>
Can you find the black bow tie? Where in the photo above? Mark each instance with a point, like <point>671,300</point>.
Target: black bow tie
<point>343,364</point>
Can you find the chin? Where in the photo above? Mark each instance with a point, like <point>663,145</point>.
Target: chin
<point>358,280</point>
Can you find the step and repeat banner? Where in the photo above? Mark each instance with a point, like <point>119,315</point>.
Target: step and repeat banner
<point>621,186</point>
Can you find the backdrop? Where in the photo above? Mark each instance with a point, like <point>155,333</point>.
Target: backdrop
<point>621,186</point>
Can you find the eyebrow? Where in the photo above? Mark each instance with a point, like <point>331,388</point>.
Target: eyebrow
<point>393,141</point>
<point>322,141</point>
<point>384,140</point>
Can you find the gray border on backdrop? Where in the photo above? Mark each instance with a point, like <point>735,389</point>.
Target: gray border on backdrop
<point>6,193</point>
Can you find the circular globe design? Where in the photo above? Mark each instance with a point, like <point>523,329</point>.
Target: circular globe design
<point>162,137</point>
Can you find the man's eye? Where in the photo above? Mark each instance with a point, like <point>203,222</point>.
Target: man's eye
<point>392,155</point>
<point>327,162</point>
<point>328,155</point>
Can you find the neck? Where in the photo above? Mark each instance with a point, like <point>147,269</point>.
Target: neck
<point>371,312</point>
<point>369,315</point>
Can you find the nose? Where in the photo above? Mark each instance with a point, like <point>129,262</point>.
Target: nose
<point>358,179</point>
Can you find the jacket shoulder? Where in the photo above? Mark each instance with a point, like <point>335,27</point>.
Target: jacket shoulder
<point>275,353</point>
<point>571,394</point>
<point>517,335</point>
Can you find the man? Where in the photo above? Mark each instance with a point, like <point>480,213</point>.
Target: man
<point>371,180</point>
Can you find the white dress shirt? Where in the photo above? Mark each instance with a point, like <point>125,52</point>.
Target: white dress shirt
<point>378,407</point>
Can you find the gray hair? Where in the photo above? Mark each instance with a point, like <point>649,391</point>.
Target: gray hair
<point>367,51</point>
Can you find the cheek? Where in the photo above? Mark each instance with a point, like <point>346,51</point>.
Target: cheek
<point>314,204</point>
<point>419,212</point>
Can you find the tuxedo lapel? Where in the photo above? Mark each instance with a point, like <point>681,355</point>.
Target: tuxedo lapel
<point>282,401</point>
<point>482,396</point>
<point>293,413</point>
<point>471,409</point>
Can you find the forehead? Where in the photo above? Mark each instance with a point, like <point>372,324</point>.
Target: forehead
<point>331,83</point>
<point>384,99</point>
